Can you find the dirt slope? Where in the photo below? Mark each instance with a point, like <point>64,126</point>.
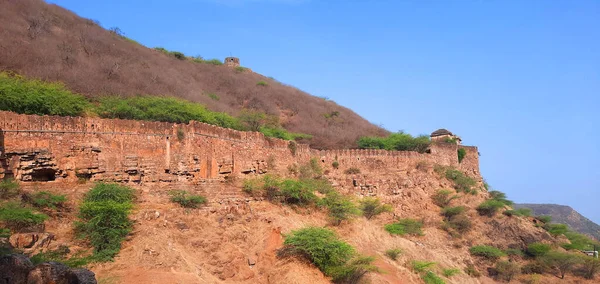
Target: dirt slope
<point>49,42</point>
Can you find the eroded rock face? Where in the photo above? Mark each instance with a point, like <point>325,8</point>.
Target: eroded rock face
<point>84,276</point>
<point>30,242</point>
<point>14,268</point>
<point>51,272</point>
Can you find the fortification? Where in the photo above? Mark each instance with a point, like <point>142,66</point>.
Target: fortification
<point>66,149</point>
<point>232,61</point>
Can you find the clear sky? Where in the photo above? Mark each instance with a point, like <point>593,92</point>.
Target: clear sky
<point>519,79</point>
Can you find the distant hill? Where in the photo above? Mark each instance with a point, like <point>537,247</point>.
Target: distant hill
<point>565,215</point>
<point>46,41</point>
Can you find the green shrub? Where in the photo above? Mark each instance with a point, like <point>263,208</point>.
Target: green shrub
<point>16,217</point>
<point>331,255</point>
<point>240,69</point>
<point>462,183</point>
<point>371,207</point>
<point>450,212</point>
<point>590,267</point>
<point>4,232</point>
<point>352,171</point>
<point>311,170</point>
<point>507,270</point>
<point>405,226</point>
<point>44,199</point>
<point>421,266</point>
<point>443,197</point>
<point>163,50</point>
<point>556,229</point>
<point>8,189</point>
<point>297,192</point>
<point>104,218</point>
<point>457,225</point>
<point>185,199</point>
<point>490,207</point>
<point>431,278</point>
<point>393,253</point>
<point>335,164</point>
<point>281,133</point>
<point>500,196</point>
<point>472,271</point>
<point>449,272</point>
<point>518,212</point>
<point>60,255</point>
<point>544,218</point>
<point>213,62</point>
<point>514,251</point>
<point>165,109</point>
<point>536,267</point>
<point>488,252</point>
<point>213,96</point>
<point>538,249</point>
<point>561,262</point>
<point>396,141</point>
<point>339,207</point>
<point>178,55</point>
<point>262,83</point>
<point>461,154</point>
<point>38,97</point>
<point>251,186</point>
<point>579,241</point>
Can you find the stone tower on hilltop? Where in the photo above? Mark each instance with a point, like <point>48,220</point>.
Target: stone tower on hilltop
<point>443,135</point>
<point>232,61</point>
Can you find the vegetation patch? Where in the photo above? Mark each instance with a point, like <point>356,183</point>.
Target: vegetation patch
<point>340,207</point>
<point>404,227</point>
<point>421,266</point>
<point>262,83</point>
<point>8,188</point>
<point>331,255</point>
<point>104,218</point>
<point>393,253</point>
<point>490,207</point>
<point>44,200</point>
<point>371,207</point>
<point>431,278</point>
<point>15,217</point>
<point>507,270</point>
<point>488,252</point>
<point>443,197</point>
<point>449,272</point>
<point>462,153</point>
<point>462,182</point>
<point>562,263</point>
<point>519,212</point>
<point>185,199</point>
<point>60,255</point>
<point>538,249</point>
<point>396,141</point>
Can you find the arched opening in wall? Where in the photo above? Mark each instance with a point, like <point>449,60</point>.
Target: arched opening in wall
<point>43,175</point>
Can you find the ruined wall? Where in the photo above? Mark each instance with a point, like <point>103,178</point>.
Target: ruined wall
<point>46,148</point>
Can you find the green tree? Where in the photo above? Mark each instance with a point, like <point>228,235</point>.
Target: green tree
<point>340,207</point>
<point>372,207</point>
<point>563,263</point>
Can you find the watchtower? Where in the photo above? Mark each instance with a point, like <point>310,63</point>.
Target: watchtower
<point>443,135</point>
<point>232,61</point>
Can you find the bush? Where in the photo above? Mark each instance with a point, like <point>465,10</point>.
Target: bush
<point>462,183</point>
<point>421,266</point>
<point>104,218</point>
<point>281,133</point>
<point>371,207</point>
<point>514,251</point>
<point>500,196</point>
<point>262,83</point>
<point>461,154</point>
<point>240,69</point>
<point>393,253</point>
<point>44,199</point>
<point>8,188</point>
<point>185,199</point>
<point>488,252</point>
<point>457,225</point>
<point>518,212</point>
<point>507,270</point>
<point>538,249</point>
<point>450,212</point>
<point>16,217</point>
<point>544,218</point>
<point>431,278</point>
<point>4,233</point>
<point>396,141</point>
<point>297,192</point>
<point>331,255</point>
<point>556,229</point>
<point>311,170</point>
<point>490,207</point>
<point>590,267</point>
<point>472,271</point>
<point>535,267</point>
<point>251,186</point>
<point>178,55</point>
<point>449,272</point>
<point>60,255</point>
<point>214,62</point>
<point>579,241</point>
<point>26,96</point>
<point>442,197</point>
<point>352,171</point>
<point>335,164</point>
<point>405,226</point>
<point>164,109</point>
<point>340,207</point>
<point>561,262</point>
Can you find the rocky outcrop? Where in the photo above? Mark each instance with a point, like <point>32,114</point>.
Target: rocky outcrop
<point>31,242</point>
<point>18,269</point>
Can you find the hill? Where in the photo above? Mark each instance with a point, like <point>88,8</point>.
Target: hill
<point>48,42</point>
<point>565,215</point>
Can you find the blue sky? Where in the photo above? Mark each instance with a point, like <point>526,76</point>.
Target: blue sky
<point>519,79</point>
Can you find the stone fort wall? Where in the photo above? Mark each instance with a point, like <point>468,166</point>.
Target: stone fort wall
<point>66,149</point>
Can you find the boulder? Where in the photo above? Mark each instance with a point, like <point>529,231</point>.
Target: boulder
<point>84,276</point>
<point>30,242</point>
<point>14,268</point>
<point>51,272</point>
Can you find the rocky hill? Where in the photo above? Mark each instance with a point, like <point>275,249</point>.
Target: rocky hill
<point>565,215</point>
<point>46,41</point>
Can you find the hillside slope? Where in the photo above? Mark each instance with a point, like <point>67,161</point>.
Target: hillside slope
<point>565,215</point>
<point>49,42</point>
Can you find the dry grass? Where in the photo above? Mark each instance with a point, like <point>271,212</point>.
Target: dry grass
<point>49,42</point>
